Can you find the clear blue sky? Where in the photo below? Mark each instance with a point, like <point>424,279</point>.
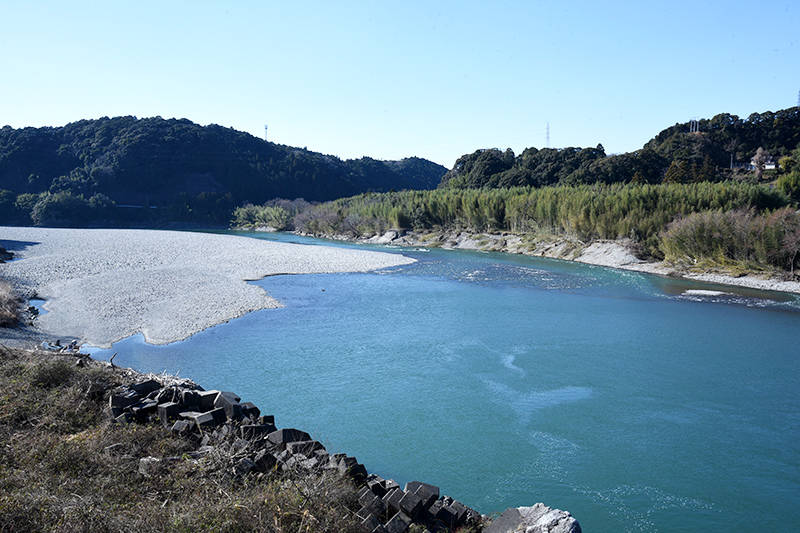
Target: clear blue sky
<point>392,79</point>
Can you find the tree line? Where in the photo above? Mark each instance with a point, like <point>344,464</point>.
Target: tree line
<point>83,172</point>
<point>651,215</point>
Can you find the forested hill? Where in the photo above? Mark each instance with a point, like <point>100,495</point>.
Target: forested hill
<point>689,152</point>
<point>181,165</point>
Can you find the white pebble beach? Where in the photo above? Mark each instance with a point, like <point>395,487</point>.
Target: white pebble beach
<point>103,285</point>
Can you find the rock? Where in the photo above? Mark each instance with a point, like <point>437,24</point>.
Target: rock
<point>537,519</point>
<point>149,466</point>
<point>542,519</point>
<point>507,522</point>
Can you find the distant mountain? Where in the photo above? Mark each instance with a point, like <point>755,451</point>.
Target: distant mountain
<point>701,151</point>
<point>159,162</point>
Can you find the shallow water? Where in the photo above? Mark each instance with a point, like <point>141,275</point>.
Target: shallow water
<point>508,380</point>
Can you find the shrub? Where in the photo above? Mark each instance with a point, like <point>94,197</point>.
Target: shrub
<point>10,306</point>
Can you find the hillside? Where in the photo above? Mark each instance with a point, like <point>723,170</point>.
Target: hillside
<point>77,172</point>
<point>677,154</point>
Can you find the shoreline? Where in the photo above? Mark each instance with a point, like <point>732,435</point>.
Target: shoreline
<point>612,254</point>
<point>104,285</point>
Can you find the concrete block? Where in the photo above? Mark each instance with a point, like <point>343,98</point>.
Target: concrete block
<point>124,398</point>
<point>210,420</point>
<point>251,411</point>
<point>146,387</point>
<point>398,524</point>
<point>256,431</point>
<point>266,461</point>
<point>245,466</point>
<point>393,497</point>
<point>125,418</point>
<point>358,473</point>
<point>266,419</point>
<point>447,516</point>
<point>168,412</point>
<point>370,523</point>
<point>190,398</point>
<point>284,436</point>
<point>411,504</point>
<point>461,511</point>
<point>428,493</point>
<point>226,400</point>
<point>374,483</point>
<point>206,399</point>
<point>304,447</point>
<point>182,427</point>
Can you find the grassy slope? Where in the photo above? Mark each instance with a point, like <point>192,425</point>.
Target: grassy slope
<point>65,467</point>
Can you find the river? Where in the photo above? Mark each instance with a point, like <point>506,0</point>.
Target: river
<point>636,402</point>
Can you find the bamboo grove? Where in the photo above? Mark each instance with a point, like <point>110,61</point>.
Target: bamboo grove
<point>646,213</point>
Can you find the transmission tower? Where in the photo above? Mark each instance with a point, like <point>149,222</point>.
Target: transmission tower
<point>265,132</point>
<point>694,126</point>
<point>547,135</point>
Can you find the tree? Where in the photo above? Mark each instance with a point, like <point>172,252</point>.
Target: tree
<point>758,161</point>
<point>676,173</point>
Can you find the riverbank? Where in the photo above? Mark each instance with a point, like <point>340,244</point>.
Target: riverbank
<point>103,285</point>
<point>619,254</point>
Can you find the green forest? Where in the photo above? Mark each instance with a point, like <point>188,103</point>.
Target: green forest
<point>125,170</point>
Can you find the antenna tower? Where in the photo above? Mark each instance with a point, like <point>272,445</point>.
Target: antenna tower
<point>694,126</point>
<point>547,135</point>
<point>265,132</point>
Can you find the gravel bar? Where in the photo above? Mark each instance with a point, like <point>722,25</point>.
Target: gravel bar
<point>103,285</point>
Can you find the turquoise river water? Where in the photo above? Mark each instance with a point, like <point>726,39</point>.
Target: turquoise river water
<point>509,380</point>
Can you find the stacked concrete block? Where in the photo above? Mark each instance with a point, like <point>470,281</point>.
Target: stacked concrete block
<point>222,426</point>
<point>385,507</point>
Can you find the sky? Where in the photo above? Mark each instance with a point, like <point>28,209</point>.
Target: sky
<point>392,79</point>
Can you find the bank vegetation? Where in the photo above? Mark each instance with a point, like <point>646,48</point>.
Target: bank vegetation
<point>65,467</point>
<point>731,223</point>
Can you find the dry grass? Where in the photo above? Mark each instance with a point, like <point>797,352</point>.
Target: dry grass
<point>64,467</point>
<point>10,305</point>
